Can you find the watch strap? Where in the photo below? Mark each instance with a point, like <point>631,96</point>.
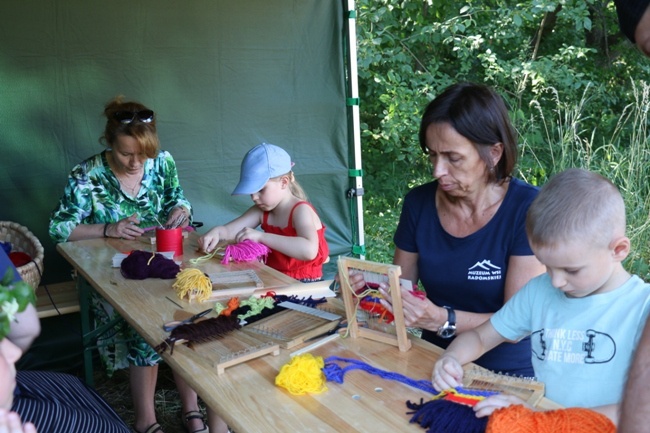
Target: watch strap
<point>451,316</point>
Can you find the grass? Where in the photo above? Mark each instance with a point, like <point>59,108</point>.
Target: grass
<point>117,393</point>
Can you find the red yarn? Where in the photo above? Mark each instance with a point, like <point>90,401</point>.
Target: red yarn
<point>519,419</point>
<point>245,251</point>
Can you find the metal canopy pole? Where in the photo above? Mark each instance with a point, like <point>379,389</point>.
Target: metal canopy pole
<point>355,193</point>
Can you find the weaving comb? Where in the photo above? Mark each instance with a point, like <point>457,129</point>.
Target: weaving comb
<point>528,389</point>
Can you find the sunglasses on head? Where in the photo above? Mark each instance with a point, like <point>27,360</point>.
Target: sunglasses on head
<point>144,116</point>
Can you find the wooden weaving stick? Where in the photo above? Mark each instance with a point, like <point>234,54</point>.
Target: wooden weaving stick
<point>392,274</point>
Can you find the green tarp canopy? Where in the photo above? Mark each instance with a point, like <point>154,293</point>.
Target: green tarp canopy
<point>222,76</point>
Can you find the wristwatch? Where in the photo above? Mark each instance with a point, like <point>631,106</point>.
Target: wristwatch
<point>448,330</point>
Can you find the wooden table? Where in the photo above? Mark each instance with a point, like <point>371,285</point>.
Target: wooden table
<point>245,395</point>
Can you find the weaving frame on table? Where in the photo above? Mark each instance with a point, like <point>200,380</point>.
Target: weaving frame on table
<point>392,272</point>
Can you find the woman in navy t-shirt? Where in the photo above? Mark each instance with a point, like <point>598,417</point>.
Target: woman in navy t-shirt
<point>462,236</point>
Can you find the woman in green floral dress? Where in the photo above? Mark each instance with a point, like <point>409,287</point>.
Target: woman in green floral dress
<point>118,193</point>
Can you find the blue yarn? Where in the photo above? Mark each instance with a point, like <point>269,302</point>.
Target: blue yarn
<point>6,246</point>
<point>335,373</point>
<point>437,416</point>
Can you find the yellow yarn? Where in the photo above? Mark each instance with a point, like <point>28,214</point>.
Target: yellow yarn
<point>194,284</point>
<point>302,375</point>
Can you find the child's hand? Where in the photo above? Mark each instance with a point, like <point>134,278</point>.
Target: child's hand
<point>447,373</point>
<point>492,403</point>
<point>250,234</point>
<point>209,241</point>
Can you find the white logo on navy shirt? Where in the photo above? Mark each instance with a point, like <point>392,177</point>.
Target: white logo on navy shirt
<point>484,270</point>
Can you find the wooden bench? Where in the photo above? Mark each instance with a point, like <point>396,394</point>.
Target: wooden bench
<point>64,295</point>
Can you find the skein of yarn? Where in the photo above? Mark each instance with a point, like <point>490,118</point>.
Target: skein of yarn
<point>144,264</point>
<point>519,419</point>
<point>245,251</point>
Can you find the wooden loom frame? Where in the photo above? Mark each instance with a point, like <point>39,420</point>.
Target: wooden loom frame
<point>393,272</point>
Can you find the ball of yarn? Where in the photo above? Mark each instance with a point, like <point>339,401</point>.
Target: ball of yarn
<point>519,419</point>
<point>302,375</point>
<point>144,264</point>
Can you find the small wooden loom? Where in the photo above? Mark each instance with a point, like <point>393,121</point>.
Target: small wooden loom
<point>382,273</point>
<point>528,389</point>
<point>295,325</point>
<point>232,349</point>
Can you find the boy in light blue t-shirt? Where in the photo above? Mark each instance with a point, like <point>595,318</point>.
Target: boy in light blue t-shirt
<point>584,315</point>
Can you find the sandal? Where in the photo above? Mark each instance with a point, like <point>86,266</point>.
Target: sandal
<point>195,414</point>
<point>153,428</point>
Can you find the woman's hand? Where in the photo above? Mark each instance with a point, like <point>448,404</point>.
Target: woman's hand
<point>494,402</point>
<point>447,373</point>
<point>355,278</point>
<point>419,312</point>
<point>126,228</point>
<point>10,423</point>
<point>178,217</point>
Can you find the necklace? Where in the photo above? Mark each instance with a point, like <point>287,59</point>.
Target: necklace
<point>131,190</point>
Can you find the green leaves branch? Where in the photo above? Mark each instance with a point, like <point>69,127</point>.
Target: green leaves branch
<point>14,298</point>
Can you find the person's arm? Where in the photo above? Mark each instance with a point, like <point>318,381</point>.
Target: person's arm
<point>642,33</point>
<point>25,328</point>
<point>521,269</point>
<point>636,398</point>
<point>126,228</point>
<point>467,347</point>
<point>251,218</point>
<point>176,206</point>
<point>303,246</point>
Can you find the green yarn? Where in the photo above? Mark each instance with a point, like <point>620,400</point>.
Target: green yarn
<point>256,306</point>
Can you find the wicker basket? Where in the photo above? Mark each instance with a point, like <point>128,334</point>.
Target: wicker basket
<point>22,239</point>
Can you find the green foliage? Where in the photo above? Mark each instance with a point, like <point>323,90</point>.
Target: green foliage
<point>563,67</point>
<point>14,298</point>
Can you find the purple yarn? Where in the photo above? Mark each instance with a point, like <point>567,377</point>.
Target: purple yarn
<point>335,373</point>
<point>443,416</point>
<point>140,265</point>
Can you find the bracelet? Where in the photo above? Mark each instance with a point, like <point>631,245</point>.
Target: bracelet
<point>105,227</point>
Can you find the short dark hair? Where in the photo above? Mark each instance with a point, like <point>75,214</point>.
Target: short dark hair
<point>479,114</point>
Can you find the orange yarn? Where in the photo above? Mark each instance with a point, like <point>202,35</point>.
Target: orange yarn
<point>519,419</point>
<point>233,304</point>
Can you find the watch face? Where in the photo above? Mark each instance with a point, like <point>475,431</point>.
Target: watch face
<point>447,331</point>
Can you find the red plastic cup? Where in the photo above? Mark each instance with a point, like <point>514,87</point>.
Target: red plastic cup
<point>170,240</point>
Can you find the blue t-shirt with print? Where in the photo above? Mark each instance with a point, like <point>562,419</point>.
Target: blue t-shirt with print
<point>581,347</point>
<point>469,273</point>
